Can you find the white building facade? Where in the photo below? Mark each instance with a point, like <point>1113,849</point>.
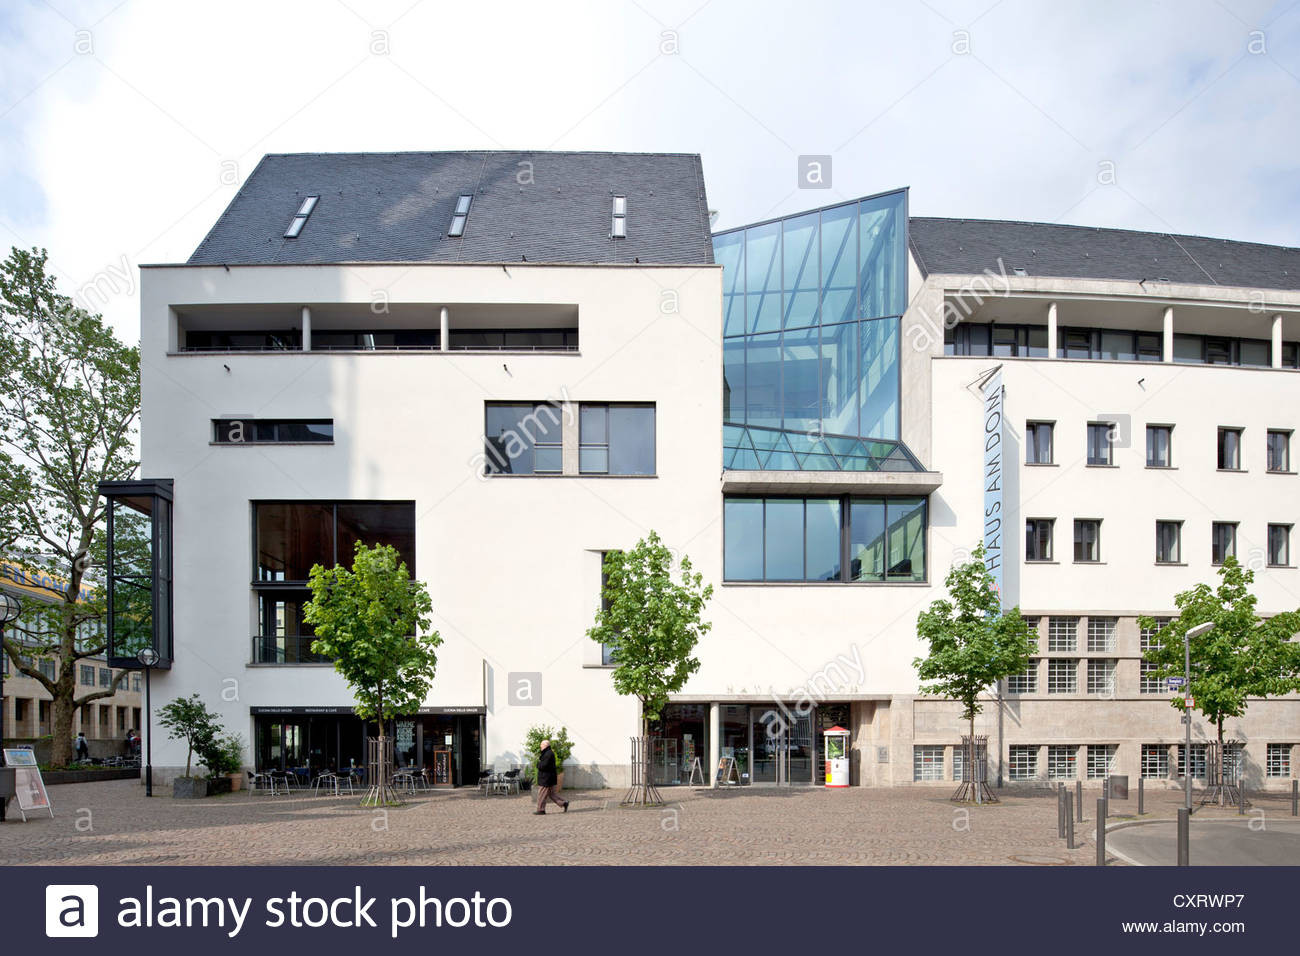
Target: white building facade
<point>508,364</point>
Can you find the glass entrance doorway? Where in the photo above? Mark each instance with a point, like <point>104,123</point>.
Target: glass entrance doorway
<point>781,746</point>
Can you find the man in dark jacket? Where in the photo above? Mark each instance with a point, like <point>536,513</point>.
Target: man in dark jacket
<point>547,779</point>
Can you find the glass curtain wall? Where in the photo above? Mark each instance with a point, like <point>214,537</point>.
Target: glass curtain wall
<point>811,311</point>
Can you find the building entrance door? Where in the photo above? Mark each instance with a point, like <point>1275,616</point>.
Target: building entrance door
<point>781,743</point>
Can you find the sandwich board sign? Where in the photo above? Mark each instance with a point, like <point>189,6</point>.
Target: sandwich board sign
<point>29,787</point>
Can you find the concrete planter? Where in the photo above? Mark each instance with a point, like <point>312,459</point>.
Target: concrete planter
<point>236,781</point>
<point>195,788</point>
<point>189,788</point>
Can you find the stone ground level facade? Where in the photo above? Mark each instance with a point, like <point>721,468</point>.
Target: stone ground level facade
<point>114,823</point>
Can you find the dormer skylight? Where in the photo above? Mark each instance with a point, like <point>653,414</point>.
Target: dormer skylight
<point>618,223</point>
<point>300,217</point>
<point>460,216</point>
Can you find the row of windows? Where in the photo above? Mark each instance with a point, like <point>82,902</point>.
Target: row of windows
<point>1040,534</point>
<point>87,674</point>
<point>1102,437</point>
<point>528,439</point>
<point>1113,345</point>
<point>841,539</point>
<point>1023,761</point>
<point>384,340</point>
<point>519,439</point>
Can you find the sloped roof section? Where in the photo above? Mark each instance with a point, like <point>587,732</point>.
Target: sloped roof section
<point>549,207</point>
<point>969,246</point>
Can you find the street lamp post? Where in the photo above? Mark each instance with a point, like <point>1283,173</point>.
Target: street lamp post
<point>1190,633</point>
<point>10,608</point>
<point>148,657</point>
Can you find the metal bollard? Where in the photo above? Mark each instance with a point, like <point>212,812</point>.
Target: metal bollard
<point>1069,821</point>
<point>1060,811</point>
<point>1101,832</point>
<point>1103,805</point>
<point>1295,798</point>
<point>1241,798</point>
<point>1184,836</point>
<point>1078,798</point>
<point>1140,803</point>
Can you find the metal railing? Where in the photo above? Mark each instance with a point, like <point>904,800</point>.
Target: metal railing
<point>294,649</point>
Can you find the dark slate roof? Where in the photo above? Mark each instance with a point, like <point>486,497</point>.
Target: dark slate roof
<point>969,246</point>
<point>396,207</point>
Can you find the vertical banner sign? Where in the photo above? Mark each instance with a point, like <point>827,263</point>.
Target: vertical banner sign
<point>994,424</point>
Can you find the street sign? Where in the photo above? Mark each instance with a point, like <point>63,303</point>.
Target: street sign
<point>1189,701</point>
<point>1174,682</point>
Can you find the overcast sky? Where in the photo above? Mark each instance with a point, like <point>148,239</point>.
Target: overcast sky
<point>125,128</point>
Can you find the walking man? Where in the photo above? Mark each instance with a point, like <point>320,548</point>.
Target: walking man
<point>547,779</point>
<point>81,747</point>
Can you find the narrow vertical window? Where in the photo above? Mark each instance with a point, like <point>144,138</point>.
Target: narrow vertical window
<point>1159,443</point>
<point>618,218</point>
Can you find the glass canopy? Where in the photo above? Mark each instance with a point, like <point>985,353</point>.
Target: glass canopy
<point>753,448</point>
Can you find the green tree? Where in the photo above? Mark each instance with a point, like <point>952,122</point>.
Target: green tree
<point>1243,655</point>
<point>68,407</point>
<point>653,623</point>
<point>369,620</point>
<point>188,719</point>
<point>973,642</point>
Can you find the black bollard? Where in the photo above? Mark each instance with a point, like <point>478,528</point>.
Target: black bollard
<point>1060,811</point>
<point>1069,821</point>
<point>1184,836</point>
<point>1295,798</point>
<point>1078,798</point>
<point>1101,832</point>
<point>1241,798</point>
<point>1140,804</point>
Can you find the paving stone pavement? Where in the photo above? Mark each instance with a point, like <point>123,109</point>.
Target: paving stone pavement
<point>114,823</point>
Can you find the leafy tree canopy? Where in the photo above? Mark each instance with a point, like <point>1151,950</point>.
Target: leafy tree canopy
<point>369,619</point>
<point>653,621</point>
<point>973,643</point>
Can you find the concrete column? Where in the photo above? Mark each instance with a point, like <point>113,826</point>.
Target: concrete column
<point>715,739</point>
<point>1168,349</point>
<point>569,438</point>
<point>306,329</point>
<point>444,330</point>
<point>1051,330</point>
<point>1277,341</point>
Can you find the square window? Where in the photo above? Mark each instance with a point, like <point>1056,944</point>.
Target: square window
<point>1169,542</point>
<point>1062,674</point>
<point>1279,451</point>
<point>1101,678</point>
<point>1199,752</point>
<point>1022,762</point>
<point>1229,449</point>
<point>1038,443</point>
<point>1060,763</point>
<point>1101,758</point>
<point>1277,760</point>
<point>1062,634</point>
<point>927,762</point>
<point>1038,539</point>
<point>1101,634</point>
<point>1223,541</point>
<point>1026,682</point>
<point>1279,545</point>
<point>1155,761</point>
<point>1159,446</point>
<point>105,677</point>
<point>1087,540</point>
<point>616,439</point>
<point>1101,439</point>
<point>1147,683</point>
